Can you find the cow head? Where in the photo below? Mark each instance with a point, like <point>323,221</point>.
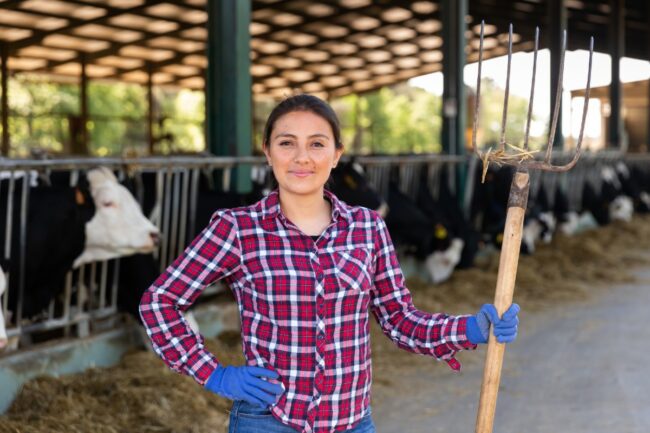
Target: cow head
<point>118,227</point>
<point>350,185</point>
<point>621,209</point>
<point>441,264</point>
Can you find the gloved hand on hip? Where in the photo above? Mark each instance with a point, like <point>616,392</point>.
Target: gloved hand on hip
<point>505,329</point>
<point>245,383</point>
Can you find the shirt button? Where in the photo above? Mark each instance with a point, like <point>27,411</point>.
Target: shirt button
<point>321,337</point>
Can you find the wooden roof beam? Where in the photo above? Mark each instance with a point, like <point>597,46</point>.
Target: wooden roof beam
<point>117,46</point>
<point>40,35</point>
<point>298,27</point>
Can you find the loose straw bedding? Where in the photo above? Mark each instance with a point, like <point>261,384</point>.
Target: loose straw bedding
<point>141,394</point>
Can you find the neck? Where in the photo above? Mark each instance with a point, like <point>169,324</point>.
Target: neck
<point>303,206</point>
<point>309,212</point>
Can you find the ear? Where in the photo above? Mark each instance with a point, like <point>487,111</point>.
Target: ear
<point>267,153</point>
<point>337,156</point>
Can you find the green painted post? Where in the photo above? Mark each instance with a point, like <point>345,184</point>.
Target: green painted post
<point>557,22</point>
<point>228,85</point>
<point>616,39</point>
<point>453,94</point>
<point>454,104</point>
<point>5,101</point>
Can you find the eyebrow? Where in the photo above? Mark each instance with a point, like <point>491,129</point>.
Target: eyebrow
<point>286,134</point>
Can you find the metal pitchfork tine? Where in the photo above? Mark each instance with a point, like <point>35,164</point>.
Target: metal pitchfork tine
<point>523,159</point>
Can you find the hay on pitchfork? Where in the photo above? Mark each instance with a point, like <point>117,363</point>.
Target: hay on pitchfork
<point>501,157</point>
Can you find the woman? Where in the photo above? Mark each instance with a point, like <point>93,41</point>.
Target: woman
<point>304,268</point>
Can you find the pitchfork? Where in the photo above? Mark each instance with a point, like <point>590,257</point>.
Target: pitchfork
<point>524,160</point>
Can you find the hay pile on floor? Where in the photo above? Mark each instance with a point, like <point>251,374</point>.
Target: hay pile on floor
<point>142,395</point>
<point>139,395</point>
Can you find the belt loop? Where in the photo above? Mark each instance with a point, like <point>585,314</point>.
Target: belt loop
<point>235,407</point>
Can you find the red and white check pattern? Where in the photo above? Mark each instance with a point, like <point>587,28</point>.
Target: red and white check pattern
<point>303,306</point>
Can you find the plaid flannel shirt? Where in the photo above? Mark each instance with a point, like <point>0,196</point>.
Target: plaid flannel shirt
<point>303,306</point>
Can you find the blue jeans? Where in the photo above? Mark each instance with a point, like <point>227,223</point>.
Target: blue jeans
<point>248,418</point>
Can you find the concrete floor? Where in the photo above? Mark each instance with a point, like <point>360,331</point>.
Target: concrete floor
<point>583,367</point>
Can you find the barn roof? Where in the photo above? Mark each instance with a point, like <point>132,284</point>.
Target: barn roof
<point>333,46</point>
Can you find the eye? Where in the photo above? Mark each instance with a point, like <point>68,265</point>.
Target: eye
<point>108,203</point>
<point>284,143</point>
<point>318,144</point>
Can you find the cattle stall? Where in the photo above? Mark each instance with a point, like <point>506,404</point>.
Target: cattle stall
<point>83,319</point>
<point>90,291</point>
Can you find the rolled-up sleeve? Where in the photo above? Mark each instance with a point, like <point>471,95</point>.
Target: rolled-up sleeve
<point>434,334</point>
<point>213,255</point>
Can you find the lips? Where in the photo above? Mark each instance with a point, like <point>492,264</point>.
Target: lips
<point>301,173</point>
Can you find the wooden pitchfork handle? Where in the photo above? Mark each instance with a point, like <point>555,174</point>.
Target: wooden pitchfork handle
<point>508,262</point>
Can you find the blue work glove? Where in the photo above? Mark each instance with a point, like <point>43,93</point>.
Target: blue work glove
<point>505,329</point>
<point>245,383</point>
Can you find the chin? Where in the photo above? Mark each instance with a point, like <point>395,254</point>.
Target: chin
<point>306,189</point>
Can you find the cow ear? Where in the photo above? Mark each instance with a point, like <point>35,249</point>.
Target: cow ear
<point>79,197</point>
<point>100,175</point>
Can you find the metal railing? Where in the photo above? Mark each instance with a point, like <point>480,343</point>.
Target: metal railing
<point>88,298</point>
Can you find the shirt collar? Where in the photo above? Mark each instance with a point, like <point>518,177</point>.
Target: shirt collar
<point>271,206</point>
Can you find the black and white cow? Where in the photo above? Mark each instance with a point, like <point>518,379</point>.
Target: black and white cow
<point>570,222</point>
<point>348,183</point>
<point>411,229</point>
<point>621,206</point>
<point>423,229</point>
<point>490,207</point>
<point>539,222</point>
<point>67,227</point>
<point>633,183</point>
<point>455,241</point>
<point>641,176</point>
<point>605,200</point>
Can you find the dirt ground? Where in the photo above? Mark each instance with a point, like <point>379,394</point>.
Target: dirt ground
<point>565,358</point>
<point>579,367</point>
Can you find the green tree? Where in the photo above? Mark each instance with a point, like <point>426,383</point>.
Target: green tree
<point>398,119</point>
<point>43,113</point>
<point>38,114</point>
<point>117,113</point>
<point>491,114</point>
<point>181,120</point>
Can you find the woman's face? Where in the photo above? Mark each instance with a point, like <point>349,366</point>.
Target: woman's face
<point>302,152</point>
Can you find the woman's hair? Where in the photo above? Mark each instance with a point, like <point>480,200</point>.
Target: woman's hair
<point>303,102</point>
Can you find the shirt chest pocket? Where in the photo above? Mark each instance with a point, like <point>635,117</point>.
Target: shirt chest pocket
<point>353,269</point>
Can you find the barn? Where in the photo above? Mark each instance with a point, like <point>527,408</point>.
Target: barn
<point>129,126</point>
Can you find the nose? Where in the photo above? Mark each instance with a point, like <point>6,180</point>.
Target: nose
<point>301,155</point>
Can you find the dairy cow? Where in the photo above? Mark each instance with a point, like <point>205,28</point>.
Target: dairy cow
<point>67,227</point>
<point>423,227</point>
<point>632,184</point>
<point>349,184</point>
<point>605,199</point>
<point>455,243</point>
<point>490,207</point>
